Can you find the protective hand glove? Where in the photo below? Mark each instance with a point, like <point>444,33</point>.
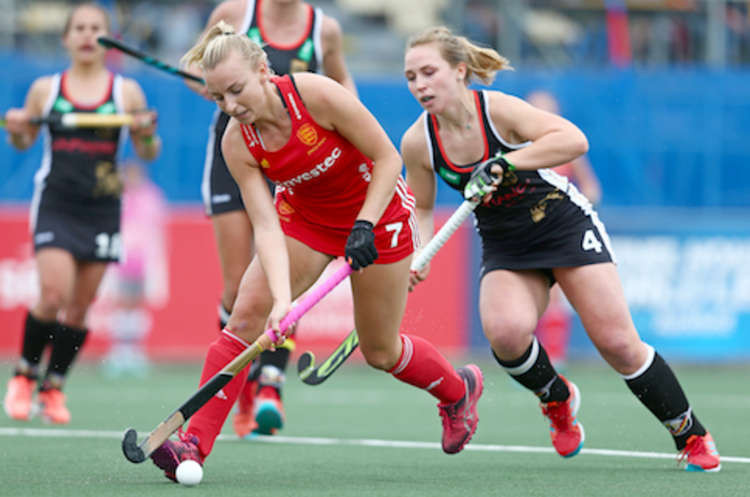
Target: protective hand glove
<point>483,180</point>
<point>360,246</point>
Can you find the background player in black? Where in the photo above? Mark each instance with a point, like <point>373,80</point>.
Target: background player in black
<point>536,228</point>
<point>296,37</point>
<point>76,207</point>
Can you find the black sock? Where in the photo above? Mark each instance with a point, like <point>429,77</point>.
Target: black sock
<point>223,316</point>
<point>658,389</point>
<point>277,359</point>
<point>37,334</point>
<point>534,371</point>
<point>65,347</point>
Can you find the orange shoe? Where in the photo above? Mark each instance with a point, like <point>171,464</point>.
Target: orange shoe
<point>565,431</point>
<point>701,454</point>
<point>52,404</point>
<point>17,402</point>
<point>243,420</point>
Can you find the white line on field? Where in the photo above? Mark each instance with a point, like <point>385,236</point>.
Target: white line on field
<point>366,442</point>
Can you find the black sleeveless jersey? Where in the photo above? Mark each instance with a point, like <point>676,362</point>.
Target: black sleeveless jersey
<point>80,164</point>
<point>524,198</point>
<point>305,55</point>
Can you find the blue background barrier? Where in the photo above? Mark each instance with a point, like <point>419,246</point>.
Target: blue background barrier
<point>658,138</point>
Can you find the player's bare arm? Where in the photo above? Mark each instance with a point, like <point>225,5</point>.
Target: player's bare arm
<point>421,179</point>
<point>333,107</point>
<point>334,65</point>
<point>555,139</point>
<point>420,176</point>
<point>143,131</point>
<point>21,133</point>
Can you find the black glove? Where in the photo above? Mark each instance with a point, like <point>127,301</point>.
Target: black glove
<point>360,248</point>
<point>482,178</point>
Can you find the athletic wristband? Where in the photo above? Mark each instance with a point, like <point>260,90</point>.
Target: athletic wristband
<point>362,223</point>
<point>509,166</point>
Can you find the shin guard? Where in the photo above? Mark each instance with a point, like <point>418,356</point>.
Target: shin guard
<point>208,421</point>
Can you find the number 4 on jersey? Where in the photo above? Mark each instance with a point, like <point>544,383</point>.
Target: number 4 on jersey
<point>590,241</point>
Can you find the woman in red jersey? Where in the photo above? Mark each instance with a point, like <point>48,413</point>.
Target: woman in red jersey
<point>339,193</point>
<point>297,37</point>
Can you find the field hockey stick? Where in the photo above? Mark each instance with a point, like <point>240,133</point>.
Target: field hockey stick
<point>82,120</point>
<point>138,453</point>
<point>312,375</point>
<point>108,42</point>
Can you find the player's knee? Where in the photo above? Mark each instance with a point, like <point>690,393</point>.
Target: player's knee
<point>75,315</point>
<point>249,315</point>
<point>51,299</point>
<point>508,334</point>
<point>623,351</point>
<point>380,358</point>
<point>229,295</point>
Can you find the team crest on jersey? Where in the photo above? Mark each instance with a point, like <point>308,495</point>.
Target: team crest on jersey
<point>264,163</point>
<point>539,211</point>
<point>297,65</point>
<point>108,180</point>
<point>307,134</point>
<point>285,209</point>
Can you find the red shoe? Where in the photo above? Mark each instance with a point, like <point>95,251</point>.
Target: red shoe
<point>460,419</point>
<point>17,402</point>
<point>52,405</point>
<point>243,420</point>
<point>701,454</point>
<point>172,452</point>
<point>565,431</point>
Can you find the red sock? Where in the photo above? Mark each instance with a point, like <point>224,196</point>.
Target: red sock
<point>207,422</point>
<point>424,367</point>
<point>247,394</point>
<point>553,331</point>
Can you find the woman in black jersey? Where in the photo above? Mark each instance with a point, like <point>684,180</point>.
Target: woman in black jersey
<point>536,228</point>
<point>75,214</point>
<point>296,37</point>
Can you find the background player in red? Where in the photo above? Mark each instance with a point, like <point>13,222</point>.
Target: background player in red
<point>75,217</point>
<point>296,38</point>
<point>535,228</point>
<point>340,192</point>
<point>554,327</point>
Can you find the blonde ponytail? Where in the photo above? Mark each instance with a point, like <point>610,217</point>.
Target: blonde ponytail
<point>481,63</point>
<point>218,42</point>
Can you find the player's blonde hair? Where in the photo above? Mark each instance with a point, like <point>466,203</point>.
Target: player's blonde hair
<point>481,63</point>
<point>218,43</point>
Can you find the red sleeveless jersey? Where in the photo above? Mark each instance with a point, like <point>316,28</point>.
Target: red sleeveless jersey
<point>321,183</point>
